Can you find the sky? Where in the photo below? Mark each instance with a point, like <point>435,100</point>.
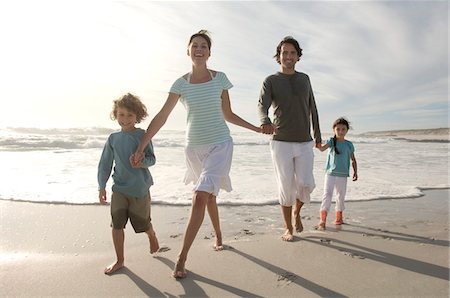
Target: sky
<point>381,64</point>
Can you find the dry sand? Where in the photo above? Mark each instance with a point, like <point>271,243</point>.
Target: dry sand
<point>388,248</point>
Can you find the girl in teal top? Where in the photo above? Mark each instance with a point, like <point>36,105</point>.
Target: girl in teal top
<point>341,153</point>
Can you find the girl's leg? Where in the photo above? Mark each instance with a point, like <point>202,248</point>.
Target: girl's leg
<point>341,191</point>
<point>213,212</point>
<point>195,221</point>
<point>328,188</point>
<point>118,236</point>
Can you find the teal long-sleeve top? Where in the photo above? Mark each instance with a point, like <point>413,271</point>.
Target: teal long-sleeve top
<point>134,182</point>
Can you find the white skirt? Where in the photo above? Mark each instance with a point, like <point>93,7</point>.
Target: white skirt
<point>208,167</point>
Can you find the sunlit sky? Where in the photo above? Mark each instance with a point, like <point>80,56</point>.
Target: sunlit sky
<point>381,64</point>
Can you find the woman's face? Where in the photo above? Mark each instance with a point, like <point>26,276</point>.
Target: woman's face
<point>198,50</point>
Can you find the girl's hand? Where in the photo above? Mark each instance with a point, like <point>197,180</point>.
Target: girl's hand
<point>355,176</point>
<point>102,196</point>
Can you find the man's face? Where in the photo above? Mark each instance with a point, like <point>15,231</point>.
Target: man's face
<point>288,56</point>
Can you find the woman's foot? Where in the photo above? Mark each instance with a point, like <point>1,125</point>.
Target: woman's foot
<point>218,246</point>
<point>179,272</point>
<point>113,267</point>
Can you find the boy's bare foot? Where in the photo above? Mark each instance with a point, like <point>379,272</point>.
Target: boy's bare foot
<point>287,236</point>
<point>298,224</point>
<point>179,271</point>
<point>113,267</point>
<point>154,245</point>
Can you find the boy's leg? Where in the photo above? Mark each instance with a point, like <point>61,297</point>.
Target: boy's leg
<point>118,236</point>
<point>213,212</point>
<point>154,244</point>
<point>195,221</point>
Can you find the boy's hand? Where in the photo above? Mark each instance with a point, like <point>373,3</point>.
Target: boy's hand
<point>136,160</point>
<point>102,196</point>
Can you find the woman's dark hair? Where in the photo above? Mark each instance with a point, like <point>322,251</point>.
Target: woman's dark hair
<point>342,121</point>
<point>290,40</point>
<point>204,34</point>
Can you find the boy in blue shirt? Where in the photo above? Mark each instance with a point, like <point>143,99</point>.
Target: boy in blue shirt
<point>130,191</point>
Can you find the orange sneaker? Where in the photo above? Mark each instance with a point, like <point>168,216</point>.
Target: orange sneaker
<point>338,220</point>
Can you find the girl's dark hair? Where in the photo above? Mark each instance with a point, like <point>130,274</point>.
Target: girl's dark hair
<point>204,34</point>
<point>290,40</point>
<point>338,121</point>
<point>133,104</point>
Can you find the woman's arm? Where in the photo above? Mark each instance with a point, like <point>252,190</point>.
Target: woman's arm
<point>232,117</point>
<point>155,125</point>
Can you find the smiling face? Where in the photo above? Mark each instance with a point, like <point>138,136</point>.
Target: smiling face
<point>199,50</point>
<point>126,119</point>
<point>288,57</point>
<point>340,130</point>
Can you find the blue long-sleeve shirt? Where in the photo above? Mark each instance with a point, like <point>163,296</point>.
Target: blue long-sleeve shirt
<point>134,182</point>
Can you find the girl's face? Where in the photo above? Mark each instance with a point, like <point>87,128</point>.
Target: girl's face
<point>126,119</point>
<point>198,50</point>
<point>340,130</point>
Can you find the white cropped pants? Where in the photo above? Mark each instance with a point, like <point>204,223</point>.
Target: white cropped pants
<point>330,184</point>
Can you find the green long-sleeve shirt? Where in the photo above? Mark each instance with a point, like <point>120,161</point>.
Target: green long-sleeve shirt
<point>292,99</point>
<point>134,182</point>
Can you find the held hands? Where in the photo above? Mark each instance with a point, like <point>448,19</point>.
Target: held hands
<point>269,129</point>
<point>136,159</point>
<point>102,196</point>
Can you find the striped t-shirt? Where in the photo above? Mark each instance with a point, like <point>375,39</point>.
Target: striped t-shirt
<point>203,103</point>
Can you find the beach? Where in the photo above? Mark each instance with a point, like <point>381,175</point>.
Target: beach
<point>387,248</point>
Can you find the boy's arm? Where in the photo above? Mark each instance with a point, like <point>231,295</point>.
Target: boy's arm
<point>104,170</point>
<point>149,159</point>
<point>354,166</point>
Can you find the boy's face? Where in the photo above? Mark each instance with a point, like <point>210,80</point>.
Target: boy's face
<point>126,119</point>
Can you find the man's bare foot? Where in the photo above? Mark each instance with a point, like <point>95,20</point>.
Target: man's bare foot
<point>298,224</point>
<point>179,272</point>
<point>154,245</point>
<point>113,267</point>
<point>287,236</point>
<point>320,226</point>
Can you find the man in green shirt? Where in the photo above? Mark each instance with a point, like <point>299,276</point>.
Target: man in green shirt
<point>290,95</point>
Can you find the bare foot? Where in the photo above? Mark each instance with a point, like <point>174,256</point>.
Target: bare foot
<point>154,245</point>
<point>287,236</point>
<point>113,267</point>
<point>179,272</point>
<point>298,224</point>
<point>320,226</point>
<point>218,246</point>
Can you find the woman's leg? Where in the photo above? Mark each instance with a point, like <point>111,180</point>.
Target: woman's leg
<point>213,212</point>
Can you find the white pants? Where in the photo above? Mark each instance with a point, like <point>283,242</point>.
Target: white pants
<point>330,184</point>
<point>293,163</point>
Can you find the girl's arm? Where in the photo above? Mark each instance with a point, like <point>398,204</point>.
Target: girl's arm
<point>232,117</point>
<point>321,147</point>
<point>354,166</point>
<point>155,125</point>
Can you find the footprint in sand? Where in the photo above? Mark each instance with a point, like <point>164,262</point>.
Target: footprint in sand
<point>175,235</point>
<point>327,241</point>
<point>286,278</point>
<point>163,249</point>
<point>350,254</point>
<point>376,236</point>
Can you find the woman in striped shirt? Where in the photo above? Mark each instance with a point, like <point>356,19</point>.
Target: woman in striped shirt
<point>209,146</point>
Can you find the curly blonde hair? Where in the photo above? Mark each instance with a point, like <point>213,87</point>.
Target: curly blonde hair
<point>133,104</point>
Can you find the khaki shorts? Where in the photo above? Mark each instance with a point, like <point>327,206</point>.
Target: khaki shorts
<point>136,209</point>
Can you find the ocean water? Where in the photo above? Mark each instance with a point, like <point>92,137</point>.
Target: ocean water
<point>60,166</point>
